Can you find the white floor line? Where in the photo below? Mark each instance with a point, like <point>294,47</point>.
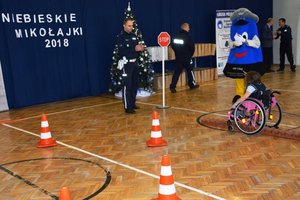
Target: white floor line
<point>201,85</point>
<point>65,111</point>
<point>281,82</point>
<point>120,164</point>
<point>283,90</point>
<point>205,112</point>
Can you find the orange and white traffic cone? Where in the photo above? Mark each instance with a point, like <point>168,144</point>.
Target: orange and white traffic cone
<point>166,183</point>
<point>46,138</point>
<point>64,194</point>
<point>156,139</point>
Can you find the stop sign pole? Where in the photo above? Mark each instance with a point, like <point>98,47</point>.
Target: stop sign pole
<point>163,39</point>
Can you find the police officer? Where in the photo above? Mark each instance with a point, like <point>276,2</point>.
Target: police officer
<point>184,48</point>
<point>285,34</point>
<point>129,50</point>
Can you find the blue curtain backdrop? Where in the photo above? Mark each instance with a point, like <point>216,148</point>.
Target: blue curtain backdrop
<point>64,50</point>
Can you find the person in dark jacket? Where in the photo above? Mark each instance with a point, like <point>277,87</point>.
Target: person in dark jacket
<point>184,48</point>
<point>285,34</point>
<point>129,50</point>
<point>267,44</point>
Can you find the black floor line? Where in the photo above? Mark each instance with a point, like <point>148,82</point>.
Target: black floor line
<point>106,183</point>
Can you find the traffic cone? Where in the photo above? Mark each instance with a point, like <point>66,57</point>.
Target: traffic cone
<point>46,139</point>
<point>156,139</point>
<point>166,183</point>
<point>64,194</point>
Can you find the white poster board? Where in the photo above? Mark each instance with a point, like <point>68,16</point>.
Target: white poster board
<point>223,25</point>
<point>3,100</point>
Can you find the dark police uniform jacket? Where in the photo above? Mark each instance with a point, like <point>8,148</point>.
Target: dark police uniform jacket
<point>183,46</point>
<point>285,35</point>
<point>126,43</point>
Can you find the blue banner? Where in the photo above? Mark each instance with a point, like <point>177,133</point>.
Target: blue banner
<point>48,50</point>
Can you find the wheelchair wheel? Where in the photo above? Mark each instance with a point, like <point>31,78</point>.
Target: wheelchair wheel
<point>275,116</point>
<point>249,116</point>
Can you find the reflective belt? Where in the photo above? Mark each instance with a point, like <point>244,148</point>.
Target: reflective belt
<point>132,60</point>
<point>178,41</point>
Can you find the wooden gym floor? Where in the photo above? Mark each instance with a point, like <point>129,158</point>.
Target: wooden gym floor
<point>101,151</point>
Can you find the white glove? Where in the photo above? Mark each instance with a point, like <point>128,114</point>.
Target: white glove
<point>238,40</point>
<point>255,42</point>
<point>121,63</point>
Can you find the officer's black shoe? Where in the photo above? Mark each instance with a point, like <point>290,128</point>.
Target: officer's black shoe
<point>293,70</point>
<point>280,70</point>
<point>173,90</point>
<point>129,111</point>
<point>136,107</point>
<point>194,87</point>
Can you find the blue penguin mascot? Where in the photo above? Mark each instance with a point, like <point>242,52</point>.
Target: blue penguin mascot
<point>245,53</point>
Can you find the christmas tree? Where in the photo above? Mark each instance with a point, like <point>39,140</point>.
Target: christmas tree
<point>146,71</point>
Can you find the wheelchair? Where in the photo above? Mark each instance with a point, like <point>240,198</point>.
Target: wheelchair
<point>252,115</point>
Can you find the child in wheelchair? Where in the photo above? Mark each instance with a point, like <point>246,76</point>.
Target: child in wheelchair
<point>255,88</point>
<point>251,111</point>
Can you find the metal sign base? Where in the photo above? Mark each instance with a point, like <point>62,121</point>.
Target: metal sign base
<point>163,107</point>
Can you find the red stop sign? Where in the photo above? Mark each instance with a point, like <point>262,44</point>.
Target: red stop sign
<point>163,39</point>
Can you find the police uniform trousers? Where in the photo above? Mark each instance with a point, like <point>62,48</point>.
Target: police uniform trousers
<point>179,66</point>
<point>267,57</point>
<point>130,85</point>
<point>286,49</point>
